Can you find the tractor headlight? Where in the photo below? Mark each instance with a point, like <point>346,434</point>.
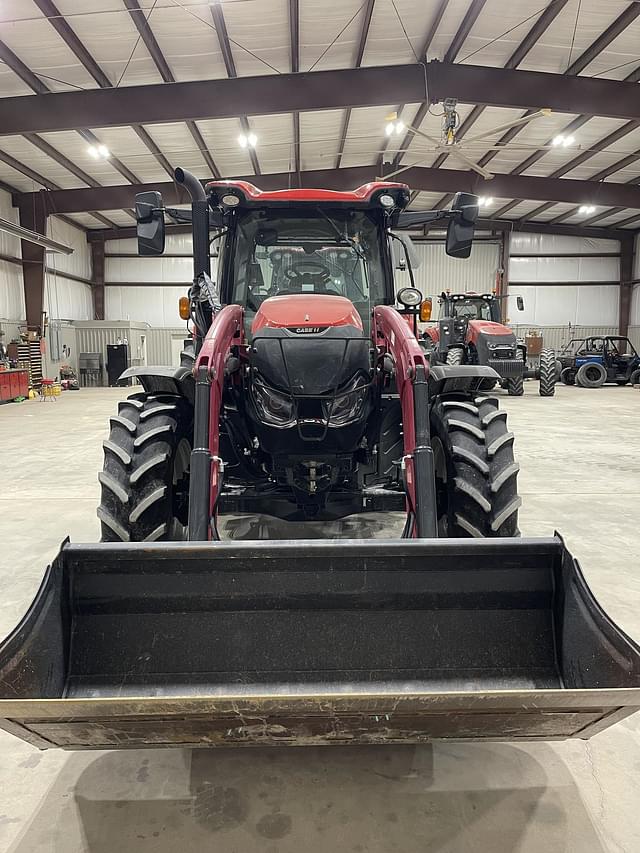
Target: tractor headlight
<point>348,404</point>
<point>230,200</point>
<point>273,407</point>
<point>409,297</point>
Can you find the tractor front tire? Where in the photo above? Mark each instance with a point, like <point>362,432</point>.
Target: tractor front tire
<point>591,375</point>
<point>145,478</point>
<point>515,386</point>
<point>476,475</point>
<point>635,378</point>
<point>568,376</point>
<point>548,373</point>
<point>455,356</point>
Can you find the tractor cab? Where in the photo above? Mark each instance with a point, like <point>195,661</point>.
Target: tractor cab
<point>470,306</point>
<point>305,253</point>
<point>297,244</point>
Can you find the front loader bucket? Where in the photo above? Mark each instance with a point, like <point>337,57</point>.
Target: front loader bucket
<point>314,642</point>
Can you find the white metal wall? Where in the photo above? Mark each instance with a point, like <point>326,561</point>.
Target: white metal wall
<point>155,306</point>
<point>635,306</point>
<point>65,299</point>
<point>560,298</point>
<point>554,244</point>
<point>11,286</point>
<point>635,296</point>
<point>586,305</point>
<point>438,271</point>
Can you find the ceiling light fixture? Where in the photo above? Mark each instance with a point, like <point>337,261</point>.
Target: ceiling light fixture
<point>563,140</point>
<point>587,208</point>
<point>394,127</point>
<point>248,141</point>
<point>485,201</point>
<point>98,151</point>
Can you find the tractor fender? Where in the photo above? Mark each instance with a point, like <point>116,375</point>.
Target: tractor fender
<point>446,378</point>
<point>164,380</point>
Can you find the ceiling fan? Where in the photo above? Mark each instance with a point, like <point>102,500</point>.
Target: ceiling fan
<point>448,142</point>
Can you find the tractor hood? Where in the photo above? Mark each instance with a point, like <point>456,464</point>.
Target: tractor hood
<point>308,344</point>
<point>487,327</point>
<point>306,313</point>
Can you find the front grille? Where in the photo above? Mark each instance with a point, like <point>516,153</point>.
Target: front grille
<point>507,367</point>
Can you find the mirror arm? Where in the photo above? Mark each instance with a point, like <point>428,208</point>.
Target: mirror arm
<point>409,218</point>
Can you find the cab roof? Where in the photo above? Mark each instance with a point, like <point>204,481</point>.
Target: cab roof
<point>366,196</point>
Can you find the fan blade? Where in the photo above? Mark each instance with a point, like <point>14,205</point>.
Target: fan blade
<point>522,120</point>
<point>454,151</point>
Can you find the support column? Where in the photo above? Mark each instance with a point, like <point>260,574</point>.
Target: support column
<point>626,285</point>
<point>33,217</point>
<point>97,278</point>
<point>503,277</point>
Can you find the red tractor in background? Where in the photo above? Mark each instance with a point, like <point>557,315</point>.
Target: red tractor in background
<point>470,331</point>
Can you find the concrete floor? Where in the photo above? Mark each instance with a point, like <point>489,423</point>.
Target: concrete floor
<point>580,458</point>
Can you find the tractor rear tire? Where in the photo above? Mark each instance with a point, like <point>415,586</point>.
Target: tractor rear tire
<point>145,478</point>
<point>476,475</point>
<point>568,376</point>
<point>548,373</point>
<point>455,356</point>
<point>591,375</point>
<point>515,386</point>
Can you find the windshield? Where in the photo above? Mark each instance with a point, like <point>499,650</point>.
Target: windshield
<point>469,309</point>
<point>332,252</point>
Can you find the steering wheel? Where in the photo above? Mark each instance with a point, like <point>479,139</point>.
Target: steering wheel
<point>316,272</point>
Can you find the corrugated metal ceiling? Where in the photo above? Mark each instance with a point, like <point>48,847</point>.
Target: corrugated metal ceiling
<point>329,36</point>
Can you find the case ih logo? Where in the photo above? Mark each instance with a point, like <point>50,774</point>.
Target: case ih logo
<point>307,330</point>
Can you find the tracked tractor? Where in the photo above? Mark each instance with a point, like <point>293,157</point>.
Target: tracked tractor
<point>470,331</point>
<point>304,393</point>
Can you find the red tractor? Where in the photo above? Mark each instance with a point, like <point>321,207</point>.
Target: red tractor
<point>305,394</point>
<point>470,331</point>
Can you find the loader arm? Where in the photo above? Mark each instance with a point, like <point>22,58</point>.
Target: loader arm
<point>206,465</point>
<point>412,372</point>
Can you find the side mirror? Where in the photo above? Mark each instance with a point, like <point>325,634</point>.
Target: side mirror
<point>520,303</point>
<point>462,225</point>
<point>150,223</point>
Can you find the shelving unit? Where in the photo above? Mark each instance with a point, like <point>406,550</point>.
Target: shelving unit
<point>30,357</point>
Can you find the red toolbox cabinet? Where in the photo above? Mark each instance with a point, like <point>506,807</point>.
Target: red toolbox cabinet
<point>13,383</point>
